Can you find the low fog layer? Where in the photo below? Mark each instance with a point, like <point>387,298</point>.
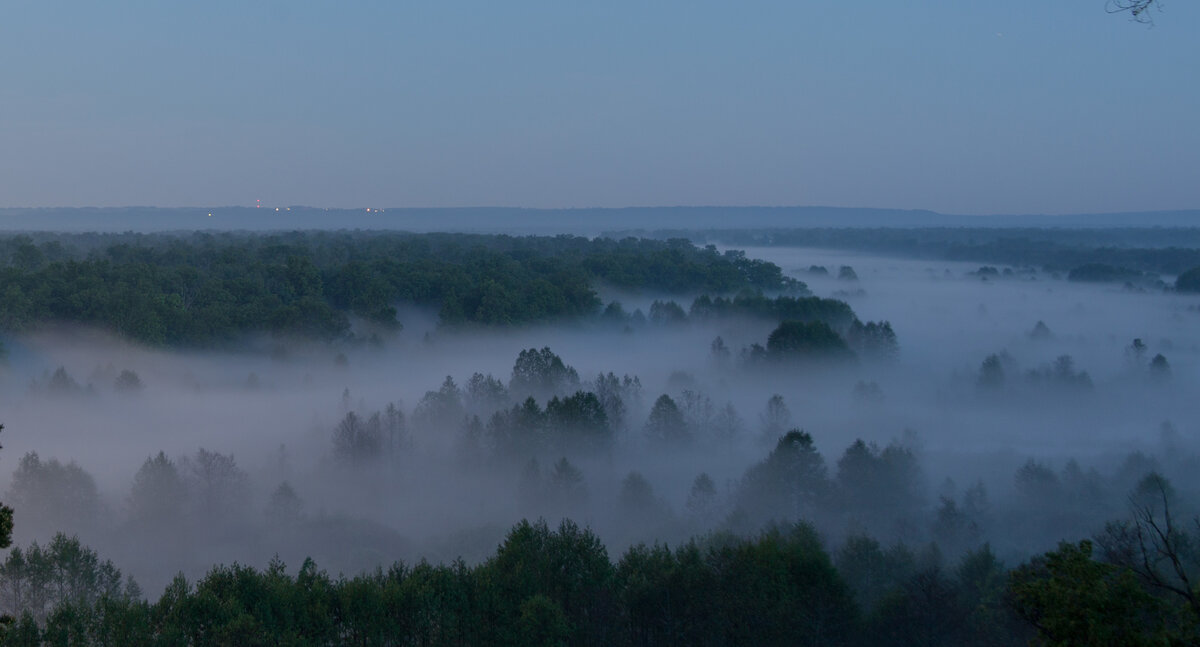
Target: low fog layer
<point>439,488</point>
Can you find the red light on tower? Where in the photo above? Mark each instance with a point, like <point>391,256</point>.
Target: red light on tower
<point>258,204</point>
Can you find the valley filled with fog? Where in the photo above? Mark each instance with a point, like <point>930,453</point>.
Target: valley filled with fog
<point>980,425</point>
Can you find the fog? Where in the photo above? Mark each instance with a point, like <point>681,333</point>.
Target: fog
<point>439,491</point>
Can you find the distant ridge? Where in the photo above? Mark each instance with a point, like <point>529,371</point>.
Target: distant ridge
<point>585,221</point>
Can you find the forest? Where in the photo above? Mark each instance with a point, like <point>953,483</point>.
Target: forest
<point>1128,252</point>
<point>206,288</point>
<point>676,445</point>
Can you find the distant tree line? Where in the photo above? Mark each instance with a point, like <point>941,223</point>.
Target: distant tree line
<point>1153,250</point>
<point>206,288</point>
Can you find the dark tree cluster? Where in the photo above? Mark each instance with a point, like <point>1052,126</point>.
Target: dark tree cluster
<point>1188,281</point>
<point>797,339</point>
<point>872,488</point>
<point>798,343</point>
<point>545,411</point>
<point>808,309</point>
<point>208,288</point>
<point>542,586</point>
<point>1155,250</point>
<point>1060,376</point>
<point>873,340</point>
<point>1104,273</point>
<point>937,582</point>
<point>38,581</point>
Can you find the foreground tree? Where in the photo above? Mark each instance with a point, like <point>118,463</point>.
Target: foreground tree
<point>1154,547</point>
<point>6,521</point>
<point>1072,599</point>
<point>540,577</point>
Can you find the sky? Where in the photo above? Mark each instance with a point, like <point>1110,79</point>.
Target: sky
<point>972,108</point>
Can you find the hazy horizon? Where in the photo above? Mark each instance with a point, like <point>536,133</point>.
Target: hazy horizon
<point>1026,108</point>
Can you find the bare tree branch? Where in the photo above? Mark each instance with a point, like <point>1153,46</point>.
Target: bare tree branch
<point>1152,547</point>
<point>1139,10</point>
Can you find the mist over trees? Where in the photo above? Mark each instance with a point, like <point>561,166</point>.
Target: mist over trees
<point>1051,247</point>
<point>900,469</point>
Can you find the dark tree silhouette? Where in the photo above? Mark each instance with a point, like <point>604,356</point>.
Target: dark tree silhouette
<point>1139,10</point>
<point>6,520</point>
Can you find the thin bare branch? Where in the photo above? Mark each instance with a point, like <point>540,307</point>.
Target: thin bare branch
<point>1139,10</point>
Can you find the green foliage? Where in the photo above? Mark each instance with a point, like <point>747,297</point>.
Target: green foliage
<point>871,571</point>
<point>51,495</point>
<point>558,586</point>
<point>873,340</point>
<point>1149,249</point>
<point>781,590</point>
<point>441,409</point>
<point>541,373</point>
<point>6,526</point>
<point>518,433</point>
<point>666,423</point>
<point>485,394</point>
<point>797,339</point>
<point>881,485</point>
<point>1103,273</point>
<point>666,312</point>
<point>1062,375</point>
<point>569,566</point>
<point>1072,599</point>
<point>213,288</point>
<point>1188,281</point>
<point>579,422</point>
<point>788,484</point>
<point>41,581</point>
<point>542,623</point>
<point>6,521</point>
<point>833,312</point>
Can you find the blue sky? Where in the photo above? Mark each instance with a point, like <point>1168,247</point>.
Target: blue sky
<point>1004,107</point>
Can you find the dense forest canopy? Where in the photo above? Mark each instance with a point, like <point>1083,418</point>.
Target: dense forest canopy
<point>1160,250</point>
<point>708,452</point>
<point>203,288</point>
